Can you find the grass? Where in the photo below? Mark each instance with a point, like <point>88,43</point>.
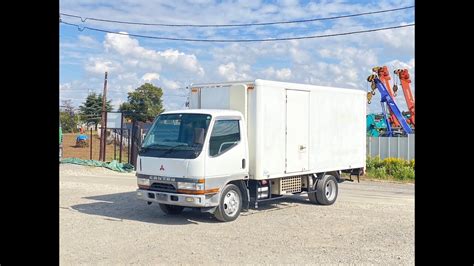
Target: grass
<point>390,169</point>
<point>71,151</point>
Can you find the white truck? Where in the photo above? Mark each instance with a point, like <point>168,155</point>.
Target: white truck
<point>241,143</point>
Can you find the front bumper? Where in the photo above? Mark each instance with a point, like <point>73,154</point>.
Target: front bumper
<point>186,200</point>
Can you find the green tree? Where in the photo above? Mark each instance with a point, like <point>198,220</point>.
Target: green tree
<point>69,121</point>
<point>144,104</point>
<point>67,117</point>
<point>91,109</point>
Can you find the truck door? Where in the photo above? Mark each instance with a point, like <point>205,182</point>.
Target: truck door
<point>297,130</point>
<point>227,155</point>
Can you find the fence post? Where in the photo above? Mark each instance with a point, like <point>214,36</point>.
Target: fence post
<point>121,138</point>
<point>379,147</point>
<point>132,144</point>
<point>129,144</point>
<point>388,153</point>
<point>408,146</point>
<point>115,144</point>
<point>398,147</point>
<point>368,150</point>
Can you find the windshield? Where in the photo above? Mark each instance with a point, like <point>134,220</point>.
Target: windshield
<point>176,136</point>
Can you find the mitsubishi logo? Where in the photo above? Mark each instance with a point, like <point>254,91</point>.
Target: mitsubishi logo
<point>162,168</point>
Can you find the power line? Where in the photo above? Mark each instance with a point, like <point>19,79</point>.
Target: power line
<point>236,25</point>
<point>237,40</point>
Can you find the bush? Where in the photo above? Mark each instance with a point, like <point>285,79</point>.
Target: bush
<point>393,165</point>
<point>404,173</point>
<point>374,162</point>
<point>378,172</point>
<point>390,168</point>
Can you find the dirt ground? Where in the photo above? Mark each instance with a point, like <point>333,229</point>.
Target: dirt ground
<point>101,222</point>
<point>71,151</point>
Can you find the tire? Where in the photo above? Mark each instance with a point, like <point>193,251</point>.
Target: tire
<point>171,209</point>
<point>230,204</point>
<point>326,191</point>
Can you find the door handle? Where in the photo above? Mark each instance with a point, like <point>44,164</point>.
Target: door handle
<point>243,163</point>
<point>302,147</point>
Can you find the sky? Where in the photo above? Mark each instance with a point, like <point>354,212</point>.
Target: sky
<point>342,61</point>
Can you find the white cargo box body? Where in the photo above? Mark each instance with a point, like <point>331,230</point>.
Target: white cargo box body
<point>293,129</point>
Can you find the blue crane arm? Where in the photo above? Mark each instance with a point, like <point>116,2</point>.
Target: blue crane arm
<point>385,97</point>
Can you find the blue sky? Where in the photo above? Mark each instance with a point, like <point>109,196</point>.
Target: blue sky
<point>343,61</point>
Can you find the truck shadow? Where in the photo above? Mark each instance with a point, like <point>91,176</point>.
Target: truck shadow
<point>125,206</point>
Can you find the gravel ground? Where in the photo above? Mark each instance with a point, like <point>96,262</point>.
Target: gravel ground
<point>101,222</point>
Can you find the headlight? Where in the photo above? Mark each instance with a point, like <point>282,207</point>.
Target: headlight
<point>190,186</point>
<point>143,182</point>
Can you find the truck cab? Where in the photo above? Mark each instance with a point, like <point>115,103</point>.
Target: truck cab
<point>189,156</point>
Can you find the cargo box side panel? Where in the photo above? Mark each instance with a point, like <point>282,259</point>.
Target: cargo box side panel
<point>215,98</point>
<point>272,130</point>
<point>337,129</point>
<point>194,98</point>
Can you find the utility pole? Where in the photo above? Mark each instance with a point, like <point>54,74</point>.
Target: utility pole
<point>103,123</point>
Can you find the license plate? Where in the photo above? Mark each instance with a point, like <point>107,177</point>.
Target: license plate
<point>160,196</point>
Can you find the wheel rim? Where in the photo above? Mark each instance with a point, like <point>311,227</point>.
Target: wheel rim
<point>231,203</point>
<point>330,190</point>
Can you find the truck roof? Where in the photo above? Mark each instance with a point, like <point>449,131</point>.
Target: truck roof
<point>213,112</point>
<point>260,82</point>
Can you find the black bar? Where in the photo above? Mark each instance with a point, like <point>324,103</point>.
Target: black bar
<point>275,198</point>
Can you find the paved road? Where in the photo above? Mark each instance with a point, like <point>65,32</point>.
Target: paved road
<point>101,222</point>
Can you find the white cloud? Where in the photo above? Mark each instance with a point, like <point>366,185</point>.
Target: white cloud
<point>174,105</point>
<point>171,84</point>
<point>278,74</point>
<point>396,64</point>
<point>128,47</point>
<point>100,65</point>
<point>127,77</point>
<point>401,40</point>
<point>65,86</point>
<point>88,42</point>
<point>148,77</point>
<point>231,72</point>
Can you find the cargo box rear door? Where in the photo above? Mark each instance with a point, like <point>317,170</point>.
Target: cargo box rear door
<point>297,131</point>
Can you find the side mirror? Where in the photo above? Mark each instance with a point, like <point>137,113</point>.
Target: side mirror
<point>199,136</point>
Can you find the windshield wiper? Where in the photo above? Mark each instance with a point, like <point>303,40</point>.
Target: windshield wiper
<point>151,147</point>
<point>173,148</point>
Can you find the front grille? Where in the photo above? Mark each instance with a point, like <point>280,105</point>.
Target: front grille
<point>163,187</point>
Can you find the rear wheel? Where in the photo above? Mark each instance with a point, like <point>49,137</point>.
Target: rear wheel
<point>230,204</point>
<point>326,191</point>
<point>171,209</point>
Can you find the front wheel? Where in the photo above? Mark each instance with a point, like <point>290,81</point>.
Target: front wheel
<point>171,209</point>
<point>326,191</point>
<point>230,204</point>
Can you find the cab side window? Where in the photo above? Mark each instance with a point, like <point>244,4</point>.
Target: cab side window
<point>225,135</point>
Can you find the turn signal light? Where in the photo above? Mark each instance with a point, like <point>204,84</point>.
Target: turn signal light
<point>198,192</point>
